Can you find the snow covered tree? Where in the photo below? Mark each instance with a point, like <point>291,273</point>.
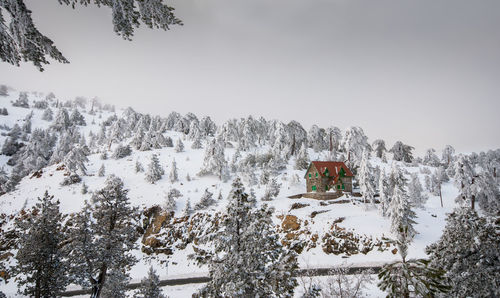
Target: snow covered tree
<point>150,286</point>
<point>170,203</point>
<point>102,171</point>
<point>317,138</point>
<point>62,121</point>
<point>116,284</point>
<point>415,191</point>
<point>205,201</point>
<point>187,209</point>
<point>173,177</point>
<point>302,161</point>
<point>465,178</point>
<point>48,115</point>
<point>430,158</point>
<point>272,190</point>
<point>353,143</point>
<point>214,162</point>
<point>40,268</point>
<point>468,252</point>
<point>155,170</point>
<point>366,179</point>
<point>179,146</point>
<point>102,237</point>
<point>379,147</point>
<point>411,278</point>
<point>138,167</point>
<point>21,40</point>
<point>402,152</point>
<point>76,159</point>
<point>207,127</point>
<point>22,100</point>
<point>197,144</point>
<point>248,258</point>
<point>447,156</point>
<point>400,206</point>
<point>4,90</point>
<point>77,118</point>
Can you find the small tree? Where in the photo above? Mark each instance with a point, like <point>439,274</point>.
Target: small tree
<point>179,146</point>
<point>40,267</point>
<point>173,177</point>
<point>205,201</point>
<point>102,171</point>
<point>187,209</point>
<point>415,191</point>
<point>150,286</point>
<point>138,167</point>
<point>155,170</point>
<point>302,161</point>
<point>272,190</point>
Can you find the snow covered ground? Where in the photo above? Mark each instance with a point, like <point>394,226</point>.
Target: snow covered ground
<point>363,220</point>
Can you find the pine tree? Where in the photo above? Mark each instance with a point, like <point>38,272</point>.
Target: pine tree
<point>402,152</point>
<point>62,121</point>
<point>103,236</point>
<point>248,258</point>
<point>430,158</point>
<point>138,167</point>
<point>468,252</point>
<point>415,191</point>
<point>302,161</point>
<point>197,144</point>
<point>85,188</point>
<point>205,201</point>
<point>179,146</point>
<point>76,159</point>
<point>116,284</point>
<point>155,170</point>
<point>384,194</point>
<point>150,286</point>
<point>411,278</point>
<point>102,171</point>
<point>214,162</point>
<point>366,179</point>
<point>272,190</point>
<point>173,177</point>
<point>187,209</point>
<point>447,156</point>
<point>379,147</point>
<point>40,267</point>
<point>400,207</point>
<point>48,115</point>
<point>76,118</point>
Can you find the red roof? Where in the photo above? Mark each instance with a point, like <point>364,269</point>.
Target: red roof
<point>333,168</point>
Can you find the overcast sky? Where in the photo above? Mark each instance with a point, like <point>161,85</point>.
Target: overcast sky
<point>424,72</point>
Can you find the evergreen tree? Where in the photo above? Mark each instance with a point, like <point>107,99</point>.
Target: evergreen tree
<point>197,144</point>
<point>62,121</point>
<point>102,171</point>
<point>411,278</point>
<point>155,170</point>
<point>116,284</point>
<point>150,286</point>
<point>173,177</point>
<point>384,194</point>
<point>205,201</point>
<point>76,118</point>
<point>402,152</point>
<point>379,147</point>
<point>366,179</point>
<point>302,161</point>
<point>138,167</point>
<point>248,258</point>
<point>214,162</point>
<point>465,178</point>
<point>353,143</point>
<point>400,207</point>
<point>102,237</point>
<point>75,160</point>
<point>430,158</point>
<point>22,101</point>
<point>468,252</point>
<point>179,146</point>
<point>272,190</point>
<point>415,191</point>
<point>187,209</point>
<point>447,156</point>
<point>40,267</point>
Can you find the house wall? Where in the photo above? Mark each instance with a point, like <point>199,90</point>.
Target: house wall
<point>321,183</point>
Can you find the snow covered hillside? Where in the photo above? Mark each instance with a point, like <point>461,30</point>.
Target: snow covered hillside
<point>186,166</point>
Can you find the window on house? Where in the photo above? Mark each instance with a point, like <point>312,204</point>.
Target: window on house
<point>338,186</point>
<point>316,174</point>
<point>314,188</point>
<point>326,187</point>
<point>310,175</point>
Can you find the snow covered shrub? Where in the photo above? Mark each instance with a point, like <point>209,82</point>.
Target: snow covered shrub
<point>205,201</point>
<point>71,179</point>
<point>272,190</point>
<point>122,151</point>
<point>22,101</point>
<point>155,170</point>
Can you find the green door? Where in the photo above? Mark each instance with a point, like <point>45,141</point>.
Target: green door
<point>314,187</point>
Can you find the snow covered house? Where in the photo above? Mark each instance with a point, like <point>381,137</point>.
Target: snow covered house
<point>323,176</point>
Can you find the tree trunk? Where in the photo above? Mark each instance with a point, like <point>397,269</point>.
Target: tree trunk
<point>472,202</point>
<point>441,196</point>
<point>331,142</point>
<point>97,287</point>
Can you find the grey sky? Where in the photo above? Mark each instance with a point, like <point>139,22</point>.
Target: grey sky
<point>424,72</point>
